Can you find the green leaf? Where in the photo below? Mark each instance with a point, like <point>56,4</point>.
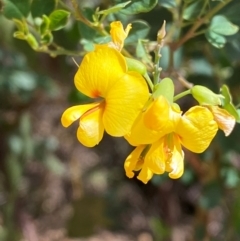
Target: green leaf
<point>193,10</point>
<point>23,81</point>
<point>40,7</point>
<point>142,53</point>
<point>114,9</point>
<point>168,3</point>
<point>44,27</point>
<point>221,25</point>
<point>164,88</point>
<point>140,30</point>
<point>227,103</point>
<point>16,8</point>
<point>85,31</point>
<point>215,39</point>
<point>139,6</point>
<point>58,19</point>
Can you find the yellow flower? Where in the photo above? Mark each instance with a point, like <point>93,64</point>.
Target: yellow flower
<point>118,34</point>
<point>166,133</point>
<point>120,96</point>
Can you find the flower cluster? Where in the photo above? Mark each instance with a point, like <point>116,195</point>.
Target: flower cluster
<point>152,122</point>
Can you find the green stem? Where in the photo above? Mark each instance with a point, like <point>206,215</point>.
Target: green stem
<point>58,51</point>
<point>179,96</point>
<point>191,33</point>
<point>157,69</point>
<point>149,81</point>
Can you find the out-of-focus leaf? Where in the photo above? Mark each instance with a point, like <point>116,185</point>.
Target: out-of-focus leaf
<point>232,13</point>
<point>114,9</point>
<point>140,30</point>
<point>15,144</point>
<point>32,41</point>
<point>25,125</point>
<point>231,177</point>
<point>142,53</point>
<point>16,8</point>
<point>168,3</point>
<point>54,164</point>
<point>14,170</point>
<point>221,25</point>
<point>22,80</point>
<point>215,39</point>
<point>201,66</point>
<point>40,7</point>
<point>139,6</point>
<point>44,26</point>
<point>193,10</point>
<point>58,19</point>
<point>160,230</point>
<point>211,195</point>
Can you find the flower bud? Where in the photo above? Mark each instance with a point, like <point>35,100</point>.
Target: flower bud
<point>135,65</point>
<point>205,96</point>
<point>161,33</point>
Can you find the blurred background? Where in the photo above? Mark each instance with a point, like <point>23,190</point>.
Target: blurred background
<point>54,189</point>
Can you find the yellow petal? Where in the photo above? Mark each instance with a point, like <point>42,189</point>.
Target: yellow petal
<point>123,103</point>
<point>99,71</point>
<point>118,34</point>
<point>91,129</point>
<point>224,119</point>
<point>140,134</point>
<point>161,117</point>
<point>157,115</point>
<point>175,164</point>
<point>145,174</point>
<point>196,129</point>
<point>75,112</point>
<point>132,161</point>
<point>155,158</point>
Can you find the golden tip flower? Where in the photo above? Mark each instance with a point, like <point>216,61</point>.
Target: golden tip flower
<point>166,135</point>
<point>119,34</point>
<point>103,75</point>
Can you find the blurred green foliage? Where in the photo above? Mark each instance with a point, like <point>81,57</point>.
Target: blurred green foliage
<point>50,184</point>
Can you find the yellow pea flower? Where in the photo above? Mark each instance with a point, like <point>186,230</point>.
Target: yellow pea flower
<point>162,151</point>
<point>120,96</point>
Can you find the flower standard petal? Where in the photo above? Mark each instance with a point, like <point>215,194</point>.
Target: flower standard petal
<point>157,115</point>
<point>91,129</point>
<point>99,71</point>
<point>140,134</point>
<point>224,119</point>
<point>123,103</point>
<point>162,117</point>
<point>196,129</point>
<point>75,112</point>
